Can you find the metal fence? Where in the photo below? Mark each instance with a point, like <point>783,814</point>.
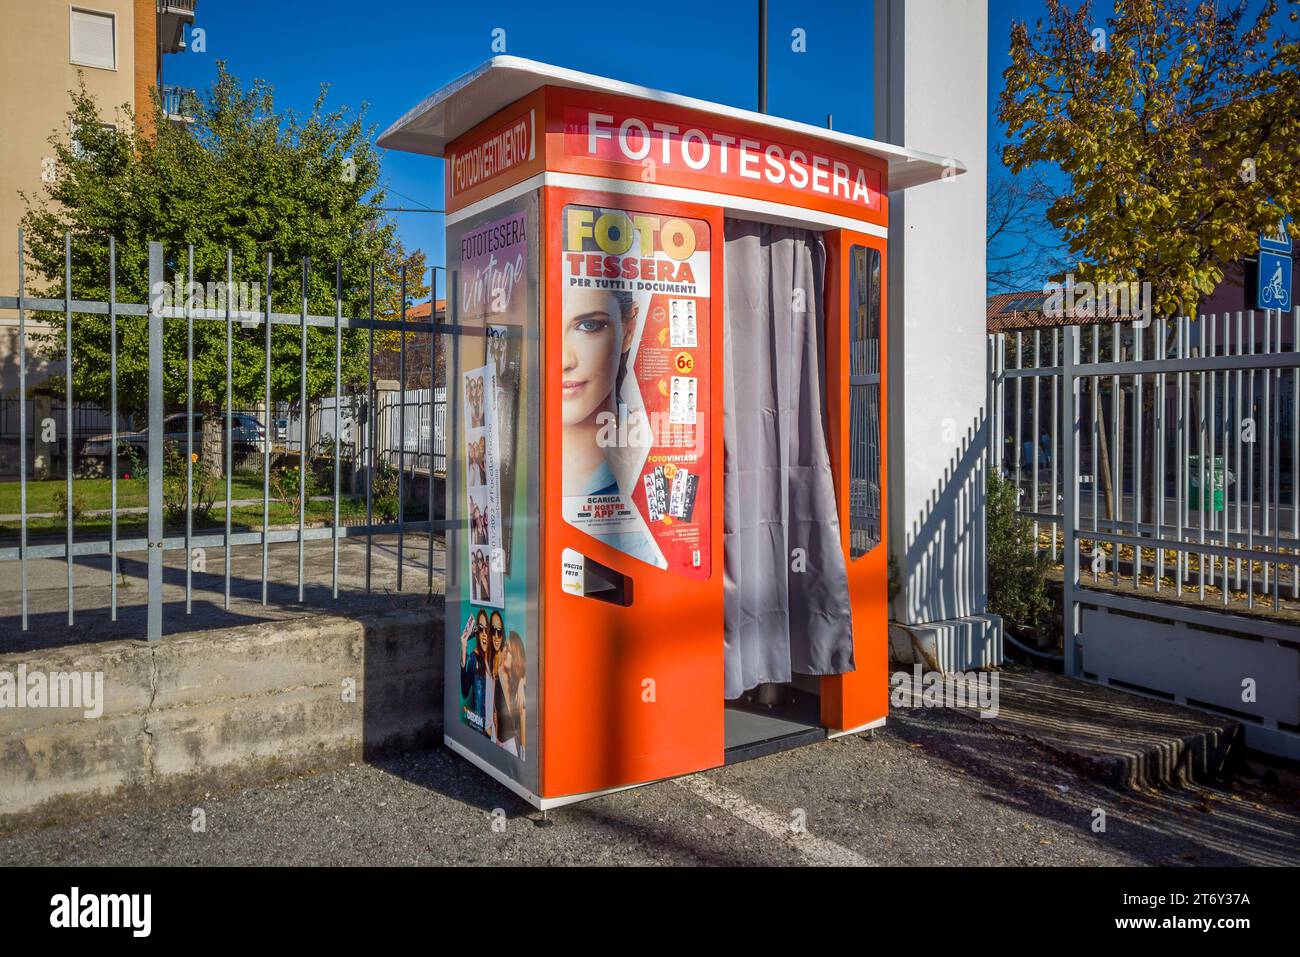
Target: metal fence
<point>280,426</point>
<point>88,421</point>
<point>157,541</point>
<point>412,429</point>
<point>1159,464</point>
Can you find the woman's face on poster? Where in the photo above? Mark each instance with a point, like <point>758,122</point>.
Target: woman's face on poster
<point>595,337</point>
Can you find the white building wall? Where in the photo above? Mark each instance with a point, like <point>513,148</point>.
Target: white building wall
<point>931,93</point>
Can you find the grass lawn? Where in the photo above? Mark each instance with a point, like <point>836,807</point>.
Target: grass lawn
<point>97,493</point>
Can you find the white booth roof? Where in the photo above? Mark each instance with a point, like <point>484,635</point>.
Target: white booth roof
<point>470,99</point>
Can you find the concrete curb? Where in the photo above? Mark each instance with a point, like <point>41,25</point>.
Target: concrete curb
<point>222,709</point>
<point>1126,740</point>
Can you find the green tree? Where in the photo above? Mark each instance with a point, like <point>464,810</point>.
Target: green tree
<point>1017,574</point>
<point>243,177</point>
<point>1177,126</point>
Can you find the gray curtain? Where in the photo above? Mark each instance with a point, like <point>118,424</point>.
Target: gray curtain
<point>786,588</point>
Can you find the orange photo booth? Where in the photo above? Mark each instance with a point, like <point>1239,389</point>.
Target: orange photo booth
<point>666,427</point>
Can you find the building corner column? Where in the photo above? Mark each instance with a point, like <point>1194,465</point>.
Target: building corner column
<point>931,94</point>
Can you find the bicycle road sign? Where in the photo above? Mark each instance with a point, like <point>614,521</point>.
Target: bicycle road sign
<point>1273,289</point>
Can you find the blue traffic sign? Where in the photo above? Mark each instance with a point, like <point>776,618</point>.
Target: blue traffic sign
<point>1278,241</point>
<point>1273,290</point>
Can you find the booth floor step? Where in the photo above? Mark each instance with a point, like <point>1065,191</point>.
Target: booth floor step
<point>755,731</point>
<point>1127,740</point>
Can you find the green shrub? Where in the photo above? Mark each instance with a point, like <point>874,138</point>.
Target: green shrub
<point>286,485</point>
<point>1017,576</point>
<point>383,494</point>
<point>203,490</point>
<point>78,504</point>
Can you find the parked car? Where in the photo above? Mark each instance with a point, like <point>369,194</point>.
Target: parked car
<point>246,430</point>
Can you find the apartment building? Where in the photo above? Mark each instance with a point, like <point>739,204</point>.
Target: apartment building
<point>118,47</point>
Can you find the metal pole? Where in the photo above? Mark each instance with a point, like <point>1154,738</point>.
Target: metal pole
<point>433,340</point>
<point>22,427</point>
<point>401,429</point>
<point>1020,405</point>
<point>762,56</point>
<point>338,428</point>
<point>68,451</point>
<point>454,468</point>
<point>155,543</point>
<point>302,426</point>
<point>999,403</point>
<point>1117,446</point>
<point>1295,456</point>
<point>230,411</point>
<point>269,437</point>
<point>1138,336</point>
<point>371,399</point>
<point>990,387</point>
<point>1056,430</point>
<point>1094,395</point>
<point>1266,406</point>
<point>1277,470</point>
<point>1236,429</point>
<point>1070,437</point>
<point>1038,384</point>
<point>189,433</point>
<point>112,414</point>
<point>1180,462</point>
<point>1226,581</point>
<point>1204,504</point>
<point>1161,420</point>
<point>1250,470</point>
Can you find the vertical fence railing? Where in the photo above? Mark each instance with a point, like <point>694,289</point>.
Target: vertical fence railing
<point>370,425</point>
<point>189,430</point>
<point>22,424</point>
<point>369,444</point>
<point>156,540</point>
<point>1190,427</point>
<point>112,457</point>
<point>401,471</point>
<point>70,446</point>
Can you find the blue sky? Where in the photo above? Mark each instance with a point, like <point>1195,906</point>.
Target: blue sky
<point>390,55</point>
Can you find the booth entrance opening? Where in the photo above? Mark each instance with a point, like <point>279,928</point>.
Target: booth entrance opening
<point>786,603</point>
<point>666,443</point>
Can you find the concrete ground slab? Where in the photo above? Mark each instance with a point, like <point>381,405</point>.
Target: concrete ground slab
<point>930,788</point>
<point>1126,740</point>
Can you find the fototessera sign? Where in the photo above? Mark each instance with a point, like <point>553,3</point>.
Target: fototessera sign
<point>608,135</point>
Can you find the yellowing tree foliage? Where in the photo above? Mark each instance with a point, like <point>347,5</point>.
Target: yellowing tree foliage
<point>1177,125</point>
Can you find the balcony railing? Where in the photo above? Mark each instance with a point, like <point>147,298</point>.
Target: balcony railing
<point>172,17</point>
<point>178,103</point>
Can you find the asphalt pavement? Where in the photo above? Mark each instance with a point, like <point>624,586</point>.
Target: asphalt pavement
<point>930,788</point>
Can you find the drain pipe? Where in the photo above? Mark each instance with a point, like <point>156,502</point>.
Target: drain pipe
<point>933,665</point>
<point>1031,651</point>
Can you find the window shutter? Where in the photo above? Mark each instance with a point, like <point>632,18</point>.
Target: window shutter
<point>92,39</point>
